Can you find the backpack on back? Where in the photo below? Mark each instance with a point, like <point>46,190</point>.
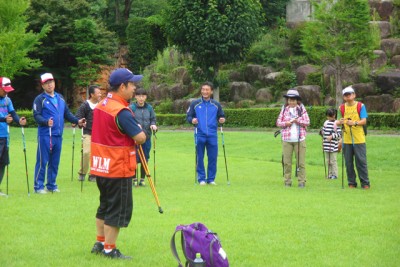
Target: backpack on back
<point>359,106</point>
<point>197,238</point>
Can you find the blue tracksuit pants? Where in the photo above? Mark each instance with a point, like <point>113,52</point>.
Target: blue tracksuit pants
<point>210,143</point>
<point>46,159</point>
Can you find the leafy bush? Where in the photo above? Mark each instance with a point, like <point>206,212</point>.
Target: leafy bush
<point>282,83</point>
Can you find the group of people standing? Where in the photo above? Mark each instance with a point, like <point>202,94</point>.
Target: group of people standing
<point>293,119</point>
<point>113,128</point>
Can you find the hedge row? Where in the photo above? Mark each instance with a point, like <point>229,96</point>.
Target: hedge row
<point>260,117</point>
<point>266,118</point>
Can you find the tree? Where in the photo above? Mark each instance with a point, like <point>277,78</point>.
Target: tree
<point>339,36</point>
<point>273,11</point>
<point>15,42</point>
<point>214,32</point>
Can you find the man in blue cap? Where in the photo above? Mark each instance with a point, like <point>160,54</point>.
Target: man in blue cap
<point>115,133</point>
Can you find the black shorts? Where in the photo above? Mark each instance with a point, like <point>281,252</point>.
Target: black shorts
<point>116,202</point>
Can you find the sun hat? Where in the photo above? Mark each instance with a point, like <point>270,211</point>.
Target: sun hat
<point>292,93</point>
<point>123,75</point>
<point>5,84</point>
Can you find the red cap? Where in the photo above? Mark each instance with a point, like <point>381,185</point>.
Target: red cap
<point>5,84</point>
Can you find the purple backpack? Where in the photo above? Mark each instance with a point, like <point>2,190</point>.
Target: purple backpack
<point>197,238</point>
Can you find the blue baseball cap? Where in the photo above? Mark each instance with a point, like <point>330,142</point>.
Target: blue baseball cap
<point>123,75</point>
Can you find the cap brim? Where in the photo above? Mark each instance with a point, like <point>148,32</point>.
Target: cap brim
<point>292,96</point>
<point>8,89</point>
<point>136,78</point>
<point>43,81</point>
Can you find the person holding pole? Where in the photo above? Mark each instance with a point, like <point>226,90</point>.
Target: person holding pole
<point>331,134</point>
<point>49,112</point>
<point>146,117</point>
<point>7,116</point>
<point>115,134</point>
<point>293,119</point>
<point>85,110</point>
<point>205,113</point>
<point>353,117</point>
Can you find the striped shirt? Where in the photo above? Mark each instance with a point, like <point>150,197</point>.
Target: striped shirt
<point>330,128</point>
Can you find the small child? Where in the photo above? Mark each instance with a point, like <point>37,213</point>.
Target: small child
<point>331,134</point>
<point>146,117</point>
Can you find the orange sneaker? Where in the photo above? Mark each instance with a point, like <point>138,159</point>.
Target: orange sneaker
<point>366,187</point>
<point>352,186</point>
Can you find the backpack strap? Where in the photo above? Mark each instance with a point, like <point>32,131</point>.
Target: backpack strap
<point>341,107</point>
<point>359,106</point>
<point>173,246</point>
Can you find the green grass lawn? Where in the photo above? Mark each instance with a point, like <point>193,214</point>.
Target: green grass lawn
<point>259,221</point>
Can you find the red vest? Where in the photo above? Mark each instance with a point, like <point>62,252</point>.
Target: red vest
<point>113,153</point>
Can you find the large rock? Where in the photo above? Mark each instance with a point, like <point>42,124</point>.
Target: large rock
<point>178,91</point>
<point>396,105</point>
<point>235,76</point>
<point>254,73</point>
<point>270,78</point>
<point>364,89</point>
<point>240,91</point>
<point>159,91</point>
<point>391,46</point>
<point>310,94</point>
<point>180,106</point>
<point>264,95</point>
<point>383,7</point>
<point>382,103</point>
<point>181,75</point>
<point>387,82</point>
<point>384,28</point>
<point>395,61</point>
<point>350,76</point>
<point>303,71</point>
<point>380,61</point>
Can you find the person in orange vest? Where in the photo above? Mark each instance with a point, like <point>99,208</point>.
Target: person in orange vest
<point>115,133</point>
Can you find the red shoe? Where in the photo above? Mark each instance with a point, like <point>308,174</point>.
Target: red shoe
<point>366,187</point>
<point>352,186</point>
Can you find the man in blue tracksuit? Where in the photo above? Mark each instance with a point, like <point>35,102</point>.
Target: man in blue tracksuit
<point>49,111</point>
<point>205,114</point>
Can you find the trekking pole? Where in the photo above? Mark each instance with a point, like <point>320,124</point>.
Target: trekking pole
<point>343,157</point>
<point>226,166</point>
<point>283,167</point>
<point>146,169</point>
<point>81,158</point>
<point>8,145</point>
<point>196,156</point>
<point>26,164</point>
<point>323,156</point>
<point>154,155</point>
<point>73,150</point>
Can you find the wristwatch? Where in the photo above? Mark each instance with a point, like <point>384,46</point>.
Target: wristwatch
<point>356,123</point>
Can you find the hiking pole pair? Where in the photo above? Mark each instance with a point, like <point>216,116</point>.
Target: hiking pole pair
<point>146,169</point>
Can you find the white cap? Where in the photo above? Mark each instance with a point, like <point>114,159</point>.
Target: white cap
<point>46,76</point>
<point>348,90</point>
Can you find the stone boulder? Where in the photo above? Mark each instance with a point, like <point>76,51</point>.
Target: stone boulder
<point>178,91</point>
<point>159,91</point>
<point>364,89</point>
<point>391,46</point>
<point>387,82</point>
<point>395,61</point>
<point>254,73</point>
<point>380,61</point>
<point>396,105</point>
<point>383,7</point>
<point>350,76</point>
<point>181,75</point>
<point>382,103</point>
<point>264,95</point>
<point>310,94</point>
<point>384,28</point>
<point>270,78</point>
<point>235,76</point>
<point>330,101</point>
<point>180,106</point>
<point>303,71</point>
<point>240,91</point>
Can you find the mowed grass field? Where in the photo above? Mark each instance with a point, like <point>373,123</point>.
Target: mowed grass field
<point>259,221</point>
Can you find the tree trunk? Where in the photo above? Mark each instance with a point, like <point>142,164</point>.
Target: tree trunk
<point>338,82</point>
<point>117,12</point>
<point>127,10</point>
<point>216,85</point>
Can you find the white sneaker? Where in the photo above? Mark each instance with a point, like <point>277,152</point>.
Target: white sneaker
<point>212,183</point>
<point>41,191</point>
<point>202,183</point>
<point>53,191</point>
<point>2,194</point>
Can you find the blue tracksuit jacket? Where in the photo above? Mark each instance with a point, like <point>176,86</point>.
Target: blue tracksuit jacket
<point>49,147</point>
<point>207,113</point>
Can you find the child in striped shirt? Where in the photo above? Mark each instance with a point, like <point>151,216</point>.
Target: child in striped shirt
<point>332,142</point>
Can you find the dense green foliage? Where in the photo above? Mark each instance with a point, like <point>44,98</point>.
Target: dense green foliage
<point>214,31</point>
<point>145,39</point>
<point>340,36</point>
<point>15,41</point>
<point>274,10</point>
<point>320,225</point>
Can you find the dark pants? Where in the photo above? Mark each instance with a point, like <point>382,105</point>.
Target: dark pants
<point>359,153</point>
<point>4,158</point>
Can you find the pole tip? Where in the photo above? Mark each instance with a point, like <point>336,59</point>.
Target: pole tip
<point>160,210</point>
